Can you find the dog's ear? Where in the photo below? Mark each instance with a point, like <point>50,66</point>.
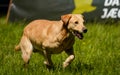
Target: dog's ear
<point>66,18</point>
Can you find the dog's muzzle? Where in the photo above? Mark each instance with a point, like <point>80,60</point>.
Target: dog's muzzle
<point>84,30</point>
<point>78,34</point>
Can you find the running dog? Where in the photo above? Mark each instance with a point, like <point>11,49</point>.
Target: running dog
<point>52,37</point>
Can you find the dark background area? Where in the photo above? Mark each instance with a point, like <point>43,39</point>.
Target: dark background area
<point>28,10</point>
<point>96,14</point>
<point>4,7</point>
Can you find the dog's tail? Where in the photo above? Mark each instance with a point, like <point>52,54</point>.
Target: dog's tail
<point>17,48</point>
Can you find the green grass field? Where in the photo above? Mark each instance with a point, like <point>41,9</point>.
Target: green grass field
<point>97,54</point>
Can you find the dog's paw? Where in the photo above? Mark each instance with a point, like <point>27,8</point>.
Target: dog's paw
<point>48,66</point>
<point>65,64</point>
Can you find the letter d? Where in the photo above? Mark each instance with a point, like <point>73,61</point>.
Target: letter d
<point>108,2</point>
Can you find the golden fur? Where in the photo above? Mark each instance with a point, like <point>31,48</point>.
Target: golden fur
<point>51,37</point>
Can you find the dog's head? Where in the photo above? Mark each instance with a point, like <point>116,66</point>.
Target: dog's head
<point>75,24</point>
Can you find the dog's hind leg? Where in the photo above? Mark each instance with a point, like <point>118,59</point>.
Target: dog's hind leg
<point>26,48</point>
<point>70,57</point>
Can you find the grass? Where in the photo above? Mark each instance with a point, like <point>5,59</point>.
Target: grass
<point>97,54</point>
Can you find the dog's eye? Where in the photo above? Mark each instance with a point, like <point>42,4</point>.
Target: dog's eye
<point>76,22</point>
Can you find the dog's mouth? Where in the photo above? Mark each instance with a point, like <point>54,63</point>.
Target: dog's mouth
<point>78,34</point>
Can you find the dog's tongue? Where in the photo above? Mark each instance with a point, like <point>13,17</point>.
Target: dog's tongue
<point>79,35</point>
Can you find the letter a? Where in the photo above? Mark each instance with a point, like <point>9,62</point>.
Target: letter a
<point>115,2</point>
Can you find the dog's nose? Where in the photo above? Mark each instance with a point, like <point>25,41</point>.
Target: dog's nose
<point>84,30</point>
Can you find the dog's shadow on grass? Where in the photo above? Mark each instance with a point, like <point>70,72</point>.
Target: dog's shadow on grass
<point>79,67</point>
<point>74,68</point>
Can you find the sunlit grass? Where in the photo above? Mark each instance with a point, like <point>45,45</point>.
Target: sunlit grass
<point>97,54</point>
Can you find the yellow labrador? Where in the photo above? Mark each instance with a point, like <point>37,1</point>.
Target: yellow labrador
<point>52,37</point>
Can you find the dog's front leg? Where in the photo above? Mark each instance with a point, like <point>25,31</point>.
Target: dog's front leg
<point>48,62</point>
<point>70,57</point>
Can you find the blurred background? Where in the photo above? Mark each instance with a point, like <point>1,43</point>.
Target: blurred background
<point>28,10</point>
<point>4,4</point>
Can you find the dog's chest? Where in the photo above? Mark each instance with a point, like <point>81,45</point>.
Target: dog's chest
<point>67,43</point>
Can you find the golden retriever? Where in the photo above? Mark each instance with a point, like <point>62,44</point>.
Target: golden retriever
<point>52,37</point>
